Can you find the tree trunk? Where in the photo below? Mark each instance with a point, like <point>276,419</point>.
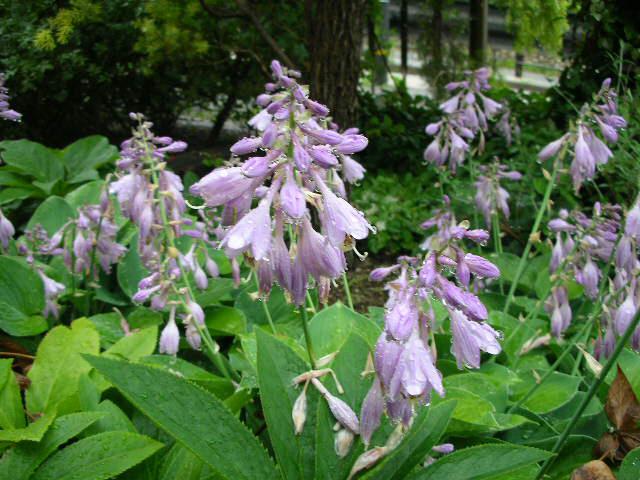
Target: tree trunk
<point>478,31</point>
<point>334,43</point>
<point>404,36</point>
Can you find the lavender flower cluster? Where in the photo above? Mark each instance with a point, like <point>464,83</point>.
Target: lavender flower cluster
<point>303,169</point>
<point>404,357</point>
<point>466,115</point>
<point>581,244</point>
<point>589,150</point>
<point>5,110</point>
<point>151,197</point>
<point>491,198</point>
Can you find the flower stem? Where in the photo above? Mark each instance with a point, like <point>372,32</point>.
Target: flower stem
<point>307,336</point>
<point>265,307</point>
<point>311,304</point>
<point>536,224</point>
<point>590,394</point>
<point>347,290</point>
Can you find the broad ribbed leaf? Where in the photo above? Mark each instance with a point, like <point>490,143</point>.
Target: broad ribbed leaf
<point>277,366</point>
<point>22,460</point>
<point>482,462</point>
<point>135,346</point>
<point>98,457</point>
<point>58,366</point>
<point>33,159</point>
<point>427,429</point>
<point>52,214</point>
<point>21,298</point>
<point>630,468</point>
<point>32,432</point>
<point>11,411</point>
<point>193,416</point>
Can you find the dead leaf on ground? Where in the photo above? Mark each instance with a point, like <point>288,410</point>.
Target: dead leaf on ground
<point>623,410</point>
<point>593,470</point>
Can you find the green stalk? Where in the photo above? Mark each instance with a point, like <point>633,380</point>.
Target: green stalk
<point>265,307</point>
<point>211,349</point>
<point>590,394</point>
<point>534,230</point>
<point>307,337</point>
<point>347,290</point>
<point>311,304</point>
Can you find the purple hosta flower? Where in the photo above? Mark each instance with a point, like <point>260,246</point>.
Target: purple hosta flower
<point>372,409</point>
<point>6,231</point>
<point>299,163</point>
<point>5,111</point>
<point>465,116</point>
<point>170,336</point>
<point>490,196</point>
<point>52,290</point>
<point>470,338</point>
<point>625,313</point>
<point>589,150</point>
<point>508,126</point>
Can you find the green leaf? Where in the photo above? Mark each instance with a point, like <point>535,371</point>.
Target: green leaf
<point>16,323</point>
<point>348,366</point>
<point>277,366</point>
<point>58,365</point>
<point>330,328</point>
<point>630,468</point>
<point>98,457</point>
<point>482,462</point>
<point>22,460</point>
<point>130,269</point>
<point>222,320</point>
<point>482,385</point>
<point>218,290</point>
<point>427,429</point>
<point>32,432</point>
<point>136,345</point>
<point>558,390</point>
<point>472,413</point>
<point>180,464</point>
<point>11,411</point>
<point>109,328</point>
<point>193,416</point>
<point>114,419</point>
<point>87,194</point>
<point>87,154</point>
<point>219,386</point>
<point>33,159</point>
<point>52,214</point>
<point>21,297</point>
<point>8,195</point>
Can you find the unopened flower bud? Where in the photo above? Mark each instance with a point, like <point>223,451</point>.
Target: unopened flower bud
<point>299,412</point>
<point>343,441</point>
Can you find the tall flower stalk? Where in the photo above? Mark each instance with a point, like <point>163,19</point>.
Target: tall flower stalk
<point>600,118</point>
<point>297,232</point>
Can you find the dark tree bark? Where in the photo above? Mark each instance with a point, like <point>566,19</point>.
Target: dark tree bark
<point>404,36</point>
<point>478,31</point>
<point>335,30</point>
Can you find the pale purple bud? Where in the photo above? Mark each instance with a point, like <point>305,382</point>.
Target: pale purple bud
<point>324,136</point>
<point>212,267</point>
<point>551,149</point>
<point>590,278</point>
<point>170,337</point>
<point>557,254</point>
<point>432,128</point>
<point>298,281</point>
<point>433,154</point>
<point>379,274</point>
<point>444,448</point>
<point>462,269</point>
<point>351,169</point>
<point>584,164</point>
<point>299,412</point>
<point>222,186</point>
<point>201,278</point>
<point>263,99</point>
<point>301,157</point>
<point>428,272</point>
<point>246,145</point>
<point>193,336</point>
<point>323,156</point>
<point>196,312</point>
<point>269,136</point>
<point>316,108</point>
<point>481,266</point>
<point>450,105</point>
<point>319,257</point>
<point>559,225</point>
<point>256,166</point>
<point>371,413</point>
<point>343,441</point>
<point>175,147</point>
<point>402,318</point>
<point>292,199</point>
<point>478,236</point>
<point>625,314</point>
<point>352,144</point>
<point>11,115</point>
<point>276,68</point>
<point>387,363</point>
<point>342,412</point>
<point>491,107</point>
<point>143,295</point>
<point>608,132</point>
